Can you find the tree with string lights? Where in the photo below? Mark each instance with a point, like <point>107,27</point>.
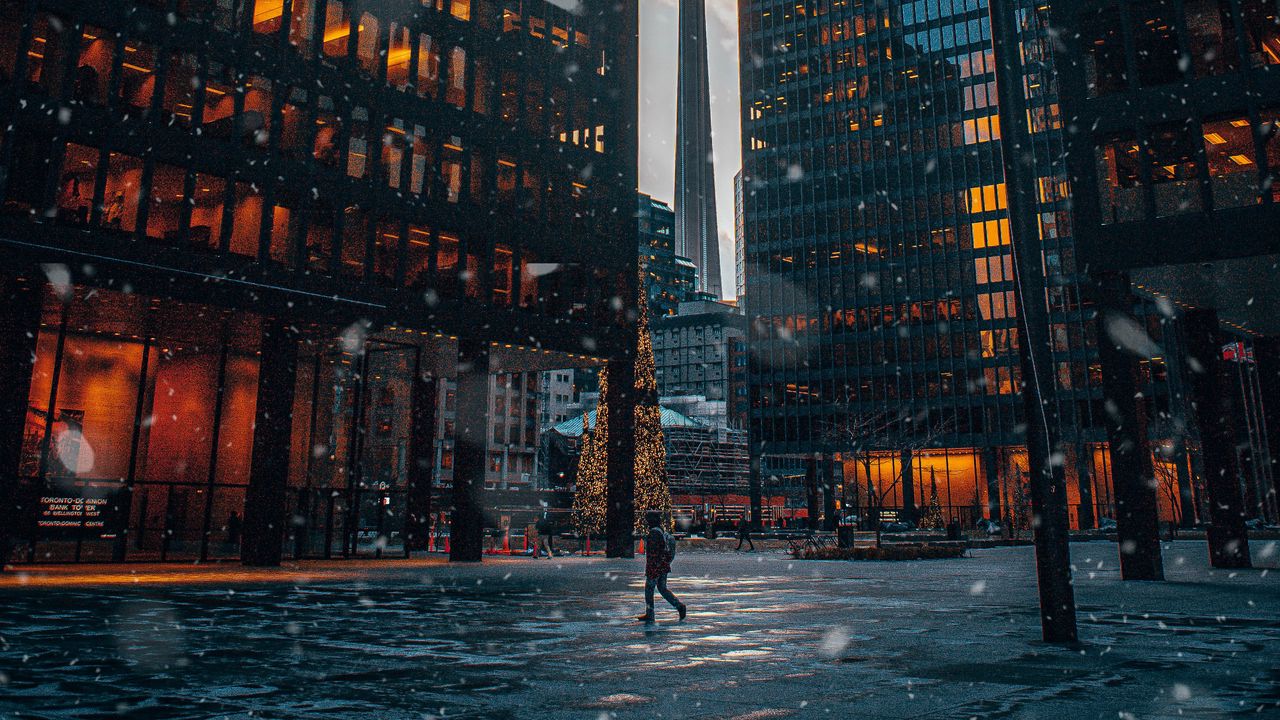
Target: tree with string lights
<point>651,489</point>
<point>591,493</point>
<point>932,519</point>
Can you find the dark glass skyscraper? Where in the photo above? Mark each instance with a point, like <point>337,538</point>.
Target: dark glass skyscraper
<point>696,235</point>
<point>878,267</point>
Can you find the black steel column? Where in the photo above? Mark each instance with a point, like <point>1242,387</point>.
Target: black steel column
<point>470,448</point>
<point>754,489</point>
<point>811,490</point>
<point>1137,507</point>
<point>1216,408</point>
<point>1048,481</point>
<point>829,489</point>
<point>1084,485</point>
<point>422,462</point>
<point>908,488</point>
<point>19,326</point>
<point>265,501</point>
<point>620,513</point>
<point>991,469</point>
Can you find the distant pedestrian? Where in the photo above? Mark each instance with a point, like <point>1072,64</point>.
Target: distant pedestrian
<point>660,549</point>
<point>744,533</point>
<point>232,529</point>
<point>546,534</point>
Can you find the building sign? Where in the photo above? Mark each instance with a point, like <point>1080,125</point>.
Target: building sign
<point>62,514</point>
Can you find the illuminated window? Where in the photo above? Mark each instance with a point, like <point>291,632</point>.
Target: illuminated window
<point>386,250</point>
<point>393,145</point>
<point>165,204</point>
<point>207,205</point>
<point>980,130</point>
<point>337,29</point>
<point>76,183</point>
<point>293,124</point>
<point>987,198</point>
<point>1174,170</point>
<point>302,25</point>
<point>255,121</point>
<point>93,70</point>
<point>358,161</point>
<point>367,43</point>
<point>502,275</point>
<point>420,167</point>
<point>418,257</point>
<point>428,66</point>
<point>268,16</point>
<point>1229,150</point>
<point>324,146</point>
<point>399,53</point>
<point>461,9</point>
<point>355,241</point>
<point>990,233</point>
<point>1262,32</point>
<point>456,89</point>
<point>246,220</point>
<point>122,192</point>
<point>1119,185</point>
<point>138,75</point>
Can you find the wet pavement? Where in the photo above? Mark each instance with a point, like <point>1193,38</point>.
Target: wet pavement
<point>767,637</point>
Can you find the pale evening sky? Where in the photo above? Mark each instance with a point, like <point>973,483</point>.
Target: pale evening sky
<point>658,23</point>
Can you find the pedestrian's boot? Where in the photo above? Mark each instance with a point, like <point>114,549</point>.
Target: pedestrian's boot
<point>682,610</point>
<point>646,618</point>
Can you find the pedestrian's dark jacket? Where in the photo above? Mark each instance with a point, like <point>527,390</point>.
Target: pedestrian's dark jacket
<point>656,562</point>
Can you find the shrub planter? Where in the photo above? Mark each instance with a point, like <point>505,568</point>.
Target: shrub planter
<point>895,552</point>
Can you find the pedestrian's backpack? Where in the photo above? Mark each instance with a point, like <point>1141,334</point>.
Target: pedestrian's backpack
<point>670,540</point>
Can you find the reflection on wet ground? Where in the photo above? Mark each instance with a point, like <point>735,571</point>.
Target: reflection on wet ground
<point>767,638</point>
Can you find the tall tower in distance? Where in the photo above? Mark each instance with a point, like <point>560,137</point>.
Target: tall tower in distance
<point>695,196</point>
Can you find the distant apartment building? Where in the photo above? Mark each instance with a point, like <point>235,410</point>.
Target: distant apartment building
<point>701,352</point>
<point>670,278</point>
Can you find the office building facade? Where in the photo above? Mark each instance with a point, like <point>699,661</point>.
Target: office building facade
<point>879,276</point>
<point>246,243</point>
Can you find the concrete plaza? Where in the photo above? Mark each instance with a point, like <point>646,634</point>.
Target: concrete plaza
<point>767,637</point>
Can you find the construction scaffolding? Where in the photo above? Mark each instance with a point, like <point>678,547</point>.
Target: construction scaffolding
<point>706,460</point>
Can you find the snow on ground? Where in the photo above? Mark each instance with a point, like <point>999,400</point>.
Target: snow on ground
<point>767,637</point>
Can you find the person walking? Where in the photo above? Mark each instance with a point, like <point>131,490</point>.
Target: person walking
<point>744,533</point>
<point>546,532</point>
<point>659,551</point>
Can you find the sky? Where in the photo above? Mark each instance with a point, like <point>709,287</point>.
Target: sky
<point>658,28</point>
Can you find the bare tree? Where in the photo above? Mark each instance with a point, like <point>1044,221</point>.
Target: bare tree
<point>860,434</point>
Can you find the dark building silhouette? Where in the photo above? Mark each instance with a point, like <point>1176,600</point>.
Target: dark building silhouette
<point>245,244</point>
<point>696,235</point>
<point>1173,161</point>
<point>670,277</point>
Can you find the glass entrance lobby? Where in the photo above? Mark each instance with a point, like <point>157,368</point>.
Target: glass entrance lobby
<point>138,438</point>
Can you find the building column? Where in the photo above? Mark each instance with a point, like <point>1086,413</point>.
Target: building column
<point>1266,353</point>
<point>422,462</point>
<point>265,511</point>
<point>908,487</point>
<point>991,470</point>
<point>754,489</point>
<point>1084,485</point>
<point>470,452</point>
<point>620,513</point>
<point>829,487</point>
<point>1137,507</point>
<point>19,326</point>
<point>811,490</point>
<point>1216,407</point>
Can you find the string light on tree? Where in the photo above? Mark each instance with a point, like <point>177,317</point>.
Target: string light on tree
<point>590,496</point>
<point>932,519</point>
<point>651,489</point>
